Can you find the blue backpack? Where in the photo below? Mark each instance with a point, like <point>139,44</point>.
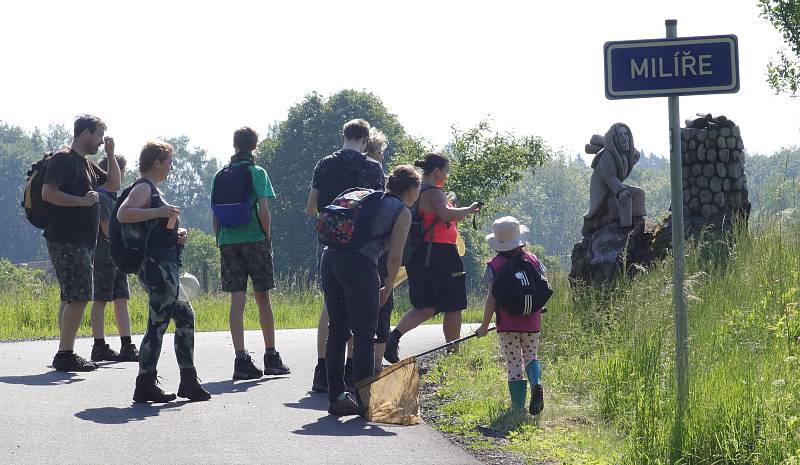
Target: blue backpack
<point>346,224</point>
<point>232,200</point>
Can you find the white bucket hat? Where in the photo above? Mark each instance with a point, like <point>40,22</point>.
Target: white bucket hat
<point>507,234</point>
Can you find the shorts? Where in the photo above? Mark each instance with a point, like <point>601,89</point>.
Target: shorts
<point>442,285</point>
<point>74,270</point>
<point>109,283</point>
<point>320,249</point>
<point>253,259</point>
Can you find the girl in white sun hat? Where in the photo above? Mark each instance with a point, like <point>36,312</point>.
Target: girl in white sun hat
<point>518,334</point>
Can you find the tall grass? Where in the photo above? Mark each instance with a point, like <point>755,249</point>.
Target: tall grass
<point>609,360</point>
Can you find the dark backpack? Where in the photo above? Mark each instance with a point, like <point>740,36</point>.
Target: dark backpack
<point>36,210</point>
<point>417,232</point>
<point>232,202</point>
<point>128,241</point>
<point>340,177</point>
<point>346,224</point>
<point>519,287</point>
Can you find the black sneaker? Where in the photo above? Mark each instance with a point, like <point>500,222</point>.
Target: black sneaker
<point>273,365</point>
<point>128,353</point>
<point>104,353</point>
<point>392,348</point>
<point>148,390</point>
<point>72,362</point>
<point>190,388</point>
<point>244,368</point>
<point>345,407</point>
<point>537,400</point>
<point>320,383</point>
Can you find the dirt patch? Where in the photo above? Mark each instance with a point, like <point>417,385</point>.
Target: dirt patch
<point>488,447</point>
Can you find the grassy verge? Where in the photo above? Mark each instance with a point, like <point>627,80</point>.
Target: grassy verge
<point>609,367</point>
<point>29,311</point>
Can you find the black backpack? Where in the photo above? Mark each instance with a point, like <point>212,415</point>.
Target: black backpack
<point>340,177</point>
<point>233,192</point>
<point>346,224</point>
<point>519,287</point>
<point>128,241</point>
<point>418,232</point>
<point>37,211</point>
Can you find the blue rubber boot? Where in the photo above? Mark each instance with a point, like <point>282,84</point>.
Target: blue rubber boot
<point>534,371</point>
<point>519,391</point>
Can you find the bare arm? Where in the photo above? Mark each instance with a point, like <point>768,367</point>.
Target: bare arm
<point>134,208</point>
<point>488,311</point>
<point>437,201</point>
<point>311,205</point>
<point>104,227</point>
<point>264,216</point>
<point>51,194</point>
<point>397,243</point>
<point>114,175</point>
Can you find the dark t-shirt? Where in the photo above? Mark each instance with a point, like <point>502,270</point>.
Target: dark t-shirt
<point>76,175</point>
<point>107,202</point>
<point>368,172</point>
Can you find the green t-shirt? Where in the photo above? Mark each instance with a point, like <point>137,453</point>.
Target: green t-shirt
<point>251,232</point>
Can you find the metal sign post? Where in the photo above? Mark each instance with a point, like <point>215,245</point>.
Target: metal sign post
<point>668,68</point>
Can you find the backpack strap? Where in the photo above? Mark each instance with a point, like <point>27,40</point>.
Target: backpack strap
<point>425,231</point>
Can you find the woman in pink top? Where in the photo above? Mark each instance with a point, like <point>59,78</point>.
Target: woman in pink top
<point>518,334</point>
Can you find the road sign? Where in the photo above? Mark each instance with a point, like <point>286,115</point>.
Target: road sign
<point>671,67</point>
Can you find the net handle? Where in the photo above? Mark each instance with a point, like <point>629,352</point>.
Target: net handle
<point>451,343</point>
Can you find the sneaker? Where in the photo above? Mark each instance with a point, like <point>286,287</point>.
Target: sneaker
<point>273,365</point>
<point>320,383</point>
<point>148,390</point>
<point>190,387</point>
<point>244,368</point>
<point>392,348</point>
<point>103,353</point>
<point>128,353</point>
<point>73,362</point>
<point>537,400</point>
<point>345,407</point>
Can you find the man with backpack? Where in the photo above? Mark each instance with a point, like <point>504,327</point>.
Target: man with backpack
<point>110,285</point>
<point>342,170</point>
<point>69,190</point>
<point>239,199</point>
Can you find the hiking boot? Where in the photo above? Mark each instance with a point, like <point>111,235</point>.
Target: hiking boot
<point>537,400</point>
<point>148,390</point>
<point>345,407</point>
<point>104,353</point>
<point>244,368</point>
<point>273,365</point>
<point>128,353</point>
<point>320,383</point>
<point>190,388</point>
<point>72,362</point>
<point>392,348</point>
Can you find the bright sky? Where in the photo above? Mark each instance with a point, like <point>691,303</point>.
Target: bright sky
<point>203,69</point>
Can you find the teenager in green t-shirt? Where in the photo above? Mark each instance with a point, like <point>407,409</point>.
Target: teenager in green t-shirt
<point>247,251</point>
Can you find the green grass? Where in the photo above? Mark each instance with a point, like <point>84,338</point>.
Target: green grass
<point>28,310</point>
<point>608,367</point>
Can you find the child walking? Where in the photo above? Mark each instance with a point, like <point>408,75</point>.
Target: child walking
<point>518,334</point>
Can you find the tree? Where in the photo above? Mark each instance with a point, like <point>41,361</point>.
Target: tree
<point>292,148</point>
<point>783,75</point>
<point>189,184</point>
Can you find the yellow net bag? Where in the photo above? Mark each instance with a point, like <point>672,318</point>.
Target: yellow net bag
<point>392,396</point>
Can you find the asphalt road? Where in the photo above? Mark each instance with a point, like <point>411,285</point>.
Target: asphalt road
<point>53,417</point>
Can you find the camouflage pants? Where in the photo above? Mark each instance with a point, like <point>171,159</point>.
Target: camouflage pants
<point>73,266</point>
<point>160,279</point>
